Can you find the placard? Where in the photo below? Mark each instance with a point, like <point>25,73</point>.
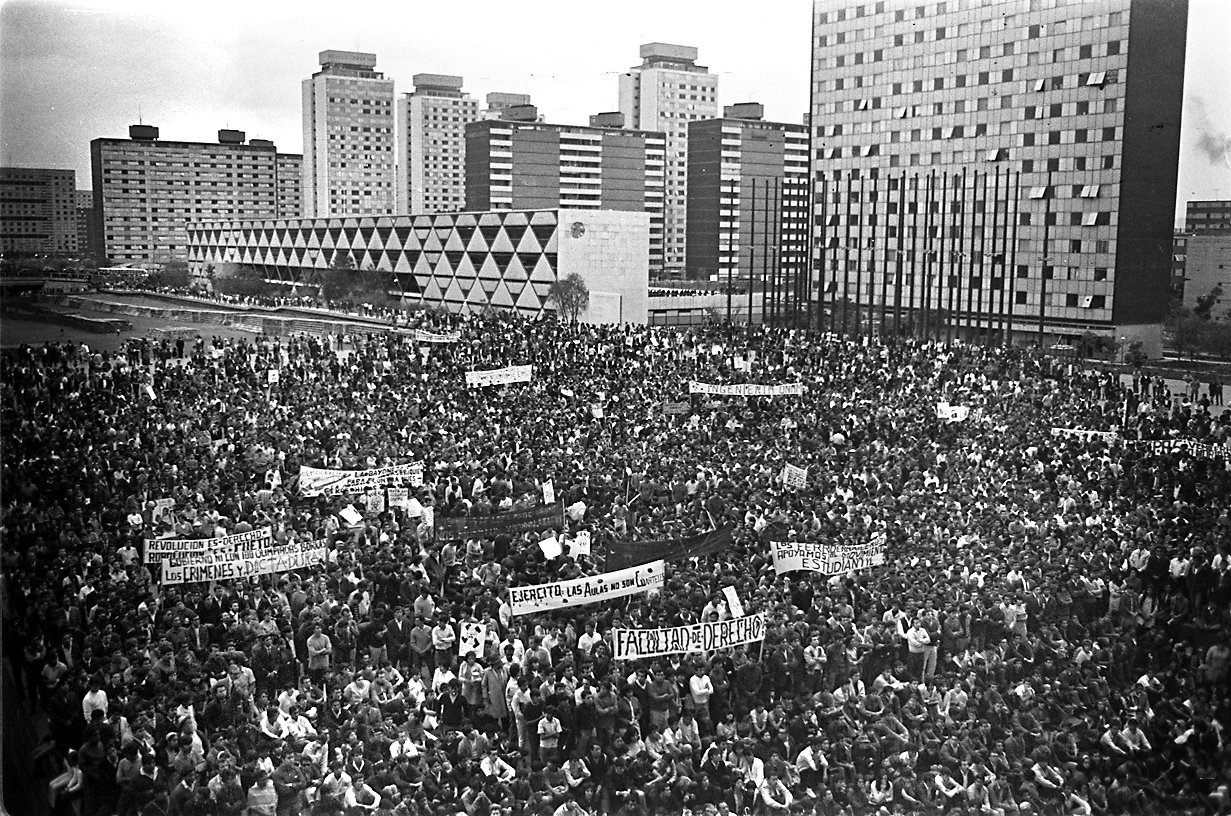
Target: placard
<point>325,482</point>
<point>591,589</point>
<point>499,376</point>
<point>747,389</point>
<point>737,608</point>
<point>471,638</point>
<point>795,477</point>
<point>827,559</point>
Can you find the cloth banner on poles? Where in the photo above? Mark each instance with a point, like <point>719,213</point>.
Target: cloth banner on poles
<point>519,521</point>
<point>325,482</point>
<point>226,566</point>
<point>636,644</point>
<point>424,336</point>
<point>622,554</point>
<point>827,559</point>
<point>499,376</point>
<point>177,549</point>
<point>591,589</point>
<point>746,389</point>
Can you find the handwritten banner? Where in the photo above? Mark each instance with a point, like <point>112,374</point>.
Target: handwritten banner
<point>828,559</point>
<point>225,566</point>
<point>623,554</point>
<point>1191,446</point>
<point>746,389</point>
<point>676,408</point>
<point>636,644</point>
<point>424,336</point>
<point>179,549</point>
<point>325,482</point>
<point>527,600</point>
<point>952,413</point>
<point>794,476</point>
<point>1105,436</point>
<point>519,521</point>
<point>499,376</point>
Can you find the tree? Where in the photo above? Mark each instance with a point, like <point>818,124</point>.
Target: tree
<point>571,297</point>
<point>1206,303</point>
<point>173,275</point>
<point>246,281</point>
<point>1135,354</point>
<point>344,282</point>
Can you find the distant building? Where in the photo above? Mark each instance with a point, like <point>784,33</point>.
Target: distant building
<point>38,210</point>
<point>665,93</point>
<point>290,184</point>
<point>519,165</point>
<point>465,262</point>
<point>1038,142</point>
<point>1208,216</point>
<point>348,138</point>
<point>84,205</point>
<point>1209,269</point>
<point>1179,262</point>
<point>747,199</point>
<point>431,131</point>
<point>147,191</point>
<point>518,107</point>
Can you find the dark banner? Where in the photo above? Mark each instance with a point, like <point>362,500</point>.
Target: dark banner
<point>519,521</point>
<point>623,554</point>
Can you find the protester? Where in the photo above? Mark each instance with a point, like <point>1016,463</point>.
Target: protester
<point>1048,633</point>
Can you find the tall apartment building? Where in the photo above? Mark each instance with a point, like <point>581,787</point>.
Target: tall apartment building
<point>526,165</point>
<point>431,135</point>
<point>747,198</point>
<point>38,210</point>
<point>1203,217</point>
<point>348,133</point>
<point>83,205</point>
<point>998,166</point>
<point>147,191</point>
<point>290,184</point>
<point>501,105</point>
<point>666,92</point>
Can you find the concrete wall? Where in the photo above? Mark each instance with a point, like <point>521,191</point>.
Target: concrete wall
<point>610,250</point>
<point>1208,265</point>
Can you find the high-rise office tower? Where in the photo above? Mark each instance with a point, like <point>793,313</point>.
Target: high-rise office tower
<point>748,200</point>
<point>666,92</point>
<point>988,169</point>
<point>147,191</point>
<point>431,131</point>
<point>526,165</point>
<point>348,123</point>
<point>38,210</point>
<point>1207,216</point>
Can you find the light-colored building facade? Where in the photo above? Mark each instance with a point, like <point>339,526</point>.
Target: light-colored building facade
<point>997,167</point>
<point>666,92</point>
<point>465,262</point>
<point>431,137</point>
<point>290,185</point>
<point>348,138</point>
<point>38,210</point>
<point>517,165</point>
<point>1208,268</point>
<point>147,191</point>
<point>748,199</point>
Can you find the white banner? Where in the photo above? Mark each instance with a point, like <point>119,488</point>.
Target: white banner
<point>1105,436</point>
<point>424,336</point>
<point>828,559</point>
<point>526,600</point>
<point>794,476</point>
<point>549,492</point>
<point>226,566</point>
<point>746,389</point>
<point>952,413</point>
<point>737,608</point>
<point>471,638</point>
<point>181,549</point>
<point>325,482</point>
<point>636,644</point>
<point>499,376</point>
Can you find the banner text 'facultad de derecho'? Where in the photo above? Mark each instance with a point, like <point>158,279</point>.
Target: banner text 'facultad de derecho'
<point>635,644</point>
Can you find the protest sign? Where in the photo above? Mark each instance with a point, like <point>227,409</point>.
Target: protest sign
<point>551,547</point>
<point>399,497</point>
<point>375,502</point>
<point>952,413</point>
<point>223,566</point>
<point>637,644</point>
<point>746,389</point>
<point>177,549</point>
<point>499,376</point>
<point>737,608</point>
<point>795,477</point>
<point>579,544</point>
<point>161,510</point>
<point>519,521</point>
<point>351,516</point>
<point>627,553</point>
<point>828,559</point>
<point>676,408</point>
<point>274,376</point>
<point>325,482</point>
<point>526,600</point>
<point>471,638</point>
<point>424,336</point>
<point>549,492</point>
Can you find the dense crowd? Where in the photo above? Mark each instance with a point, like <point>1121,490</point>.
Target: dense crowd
<point>1048,634</point>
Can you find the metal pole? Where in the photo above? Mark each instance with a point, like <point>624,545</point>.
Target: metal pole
<point>924,252</point>
<point>752,251</point>
<point>846,266</point>
<point>897,285</point>
<point>859,264</point>
<point>996,292</point>
<point>1011,272</point>
<point>1046,259</point>
<point>765,295</point>
<point>820,301</point>
<point>955,234</point>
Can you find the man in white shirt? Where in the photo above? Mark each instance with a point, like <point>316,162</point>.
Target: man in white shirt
<point>701,688</point>
<point>492,765</point>
<point>1134,738</point>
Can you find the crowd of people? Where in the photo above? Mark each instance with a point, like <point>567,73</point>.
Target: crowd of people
<point>1048,633</point>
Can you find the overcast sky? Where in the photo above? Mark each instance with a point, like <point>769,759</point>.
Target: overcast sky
<point>74,71</point>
